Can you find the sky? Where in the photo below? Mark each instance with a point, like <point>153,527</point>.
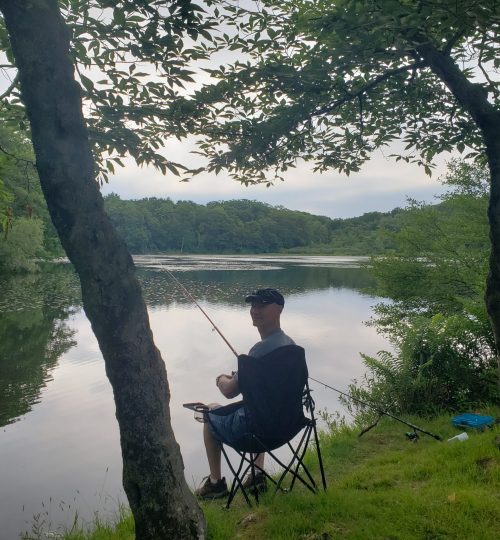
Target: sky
<point>381,185</point>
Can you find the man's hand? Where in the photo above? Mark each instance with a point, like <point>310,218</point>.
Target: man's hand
<point>228,385</point>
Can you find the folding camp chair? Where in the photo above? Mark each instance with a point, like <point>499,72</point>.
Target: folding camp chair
<point>279,407</point>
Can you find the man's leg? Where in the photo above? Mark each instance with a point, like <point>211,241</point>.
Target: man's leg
<point>214,485</point>
<point>229,426</point>
<point>259,462</point>
<point>213,449</point>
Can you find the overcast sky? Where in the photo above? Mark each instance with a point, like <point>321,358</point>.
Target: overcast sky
<point>381,185</point>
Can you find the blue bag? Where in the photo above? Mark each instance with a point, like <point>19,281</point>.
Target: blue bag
<point>475,421</point>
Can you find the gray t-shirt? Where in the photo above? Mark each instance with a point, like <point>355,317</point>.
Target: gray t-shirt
<point>274,341</point>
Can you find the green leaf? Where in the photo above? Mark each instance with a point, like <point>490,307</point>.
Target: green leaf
<point>172,168</point>
<point>87,83</point>
<point>119,16</point>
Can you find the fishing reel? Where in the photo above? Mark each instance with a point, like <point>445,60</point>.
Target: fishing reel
<point>412,436</point>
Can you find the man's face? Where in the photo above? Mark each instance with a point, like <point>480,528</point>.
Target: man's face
<point>265,315</point>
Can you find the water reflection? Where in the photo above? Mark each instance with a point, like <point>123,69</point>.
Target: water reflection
<point>33,335</point>
<point>66,445</point>
<point>228,280</point>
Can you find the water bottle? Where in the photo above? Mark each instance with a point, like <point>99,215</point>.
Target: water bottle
<point>460,437</point>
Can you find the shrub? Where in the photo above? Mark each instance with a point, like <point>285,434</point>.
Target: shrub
<point>439,363</point>
<point>21,245</point>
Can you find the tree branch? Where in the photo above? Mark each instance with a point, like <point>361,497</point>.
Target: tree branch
<point>472,97</point>
<point>485,73</point>
<point>17,158</point>
<point>453,40</point>
<point>13,84</point>
<point>378,80</point>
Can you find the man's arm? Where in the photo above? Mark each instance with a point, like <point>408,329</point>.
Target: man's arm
<point>228,385</point>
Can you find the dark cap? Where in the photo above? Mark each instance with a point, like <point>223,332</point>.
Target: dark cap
<point>266,296</point>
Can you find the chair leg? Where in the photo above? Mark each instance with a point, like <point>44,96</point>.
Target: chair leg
<point>290,464</point>
<point>293,467</point>
<point>237,484</point>
<point>320,460</point>
<point>286,470</point>
<point>265,473</point>
<point>300,461</point>
<point>252,471</point>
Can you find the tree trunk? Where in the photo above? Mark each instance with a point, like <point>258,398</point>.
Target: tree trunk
<point>492,138</point>
<point>474,99</point>
<point>153,476</point>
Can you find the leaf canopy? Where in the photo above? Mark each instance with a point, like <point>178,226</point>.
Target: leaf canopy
<point>132,59</point>
<point>320,80</point>
<point>330,81</point>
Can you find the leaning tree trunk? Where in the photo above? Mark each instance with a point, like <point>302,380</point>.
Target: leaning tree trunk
<point>474,99</point>
<point>153,472</point>
<point>492,138</point>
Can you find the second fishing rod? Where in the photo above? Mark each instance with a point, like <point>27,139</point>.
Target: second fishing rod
<point>376,408</point>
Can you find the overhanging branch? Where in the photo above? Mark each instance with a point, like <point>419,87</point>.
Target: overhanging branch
<point>366,88</point>
<point>17,158</point>
<point>472,97</point>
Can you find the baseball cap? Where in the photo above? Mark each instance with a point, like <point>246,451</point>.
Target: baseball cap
<point>266,296</point>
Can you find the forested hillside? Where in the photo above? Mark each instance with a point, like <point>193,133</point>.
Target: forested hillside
<point>243,226</point>
<point>162,225</point>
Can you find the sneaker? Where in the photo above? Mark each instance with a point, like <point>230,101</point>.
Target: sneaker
<point>208,490</point>
<point>258,483</point>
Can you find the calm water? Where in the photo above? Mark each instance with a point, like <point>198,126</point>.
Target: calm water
<point>59,447</point>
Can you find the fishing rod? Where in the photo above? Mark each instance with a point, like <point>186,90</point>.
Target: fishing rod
<point>192,298</point>
<point>380,411</point>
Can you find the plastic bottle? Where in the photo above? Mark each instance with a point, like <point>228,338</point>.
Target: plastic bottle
<point>460,437</point>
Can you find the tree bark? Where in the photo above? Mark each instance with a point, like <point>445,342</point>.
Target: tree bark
<point>474,99</point>
<point>153,471</point>
<point>492,139</point>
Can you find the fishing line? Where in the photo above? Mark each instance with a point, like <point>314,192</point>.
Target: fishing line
<point>379,410</point>
<point>233,350</point>
<point>192,298</point>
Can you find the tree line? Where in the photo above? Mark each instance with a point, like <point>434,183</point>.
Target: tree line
<point>154,225</point>
<point>244,226</point>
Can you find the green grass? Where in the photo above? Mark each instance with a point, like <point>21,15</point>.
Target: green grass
<point>122,528</point>
<point>380,486</point>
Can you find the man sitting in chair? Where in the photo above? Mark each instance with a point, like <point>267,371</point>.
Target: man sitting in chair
<point>265,310</point>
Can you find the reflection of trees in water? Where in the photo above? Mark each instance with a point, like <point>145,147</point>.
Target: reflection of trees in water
<point>33,335</point>
<point>34,308</point>
<point>231,286</point>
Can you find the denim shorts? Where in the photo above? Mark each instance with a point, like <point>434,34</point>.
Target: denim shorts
<point>228,428</point>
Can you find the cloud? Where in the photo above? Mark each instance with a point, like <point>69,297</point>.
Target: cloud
<point>381,185</point>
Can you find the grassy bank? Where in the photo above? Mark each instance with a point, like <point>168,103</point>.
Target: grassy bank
<point>381,486</point>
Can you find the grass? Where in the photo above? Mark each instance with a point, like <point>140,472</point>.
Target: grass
<point>122,528</point>
<point>381,486</point>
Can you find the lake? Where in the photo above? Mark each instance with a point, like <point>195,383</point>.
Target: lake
<point>59,445</point>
